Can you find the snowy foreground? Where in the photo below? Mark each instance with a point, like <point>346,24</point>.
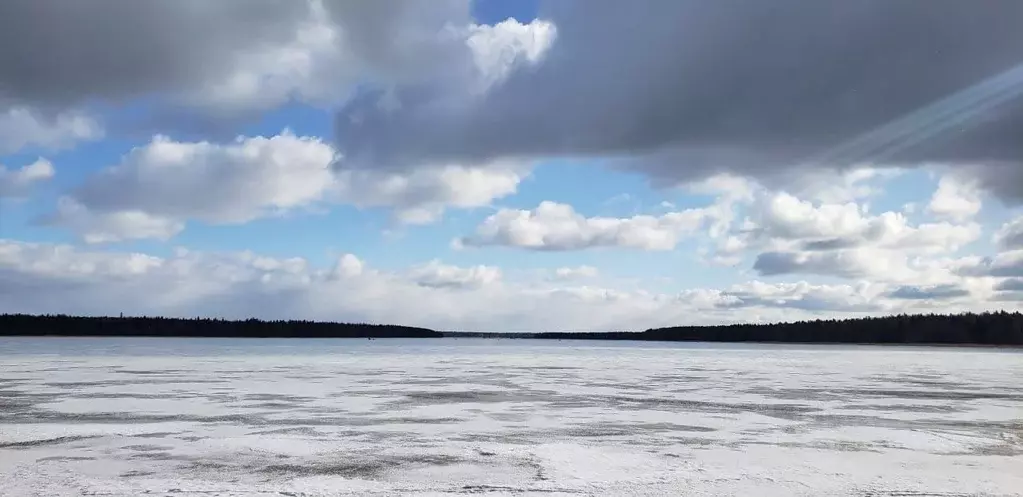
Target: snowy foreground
<point>192,417</point>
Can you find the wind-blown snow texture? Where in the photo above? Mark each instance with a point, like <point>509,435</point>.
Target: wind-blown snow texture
<point>201,417</point>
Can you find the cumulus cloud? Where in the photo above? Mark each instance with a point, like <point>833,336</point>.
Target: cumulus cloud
<point>1010,285</point>
<point>45,278</point>
<point>781,217</point>
<point>861,263</point>
<point>955,199</point>
<point>21,127</point>
<point>116,50</point>
<point>691,89</point>
<point>19,182</point>
<point>99,226</point>
<point>1008,264</point>
<point>157,187</point>
<point>804,296</point>
<point>796,236</point>
<point>574,273</point>
<point>504,47</point>
<point>435,274</point>
<point>937,292</point>
<point>554,226</point>
<point>422,195</point>
<point>201,63</point>
<point>1010,236</point>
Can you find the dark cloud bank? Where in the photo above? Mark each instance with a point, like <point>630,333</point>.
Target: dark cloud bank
<point>680,90</point>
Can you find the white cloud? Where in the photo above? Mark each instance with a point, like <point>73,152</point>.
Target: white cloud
<point>805,296</point>
<point>39,278</point>
<point>435,274</point>
<point>19,182</point>
<point>574,273</point>
<point>498,49</point>
<point>1010,235</point>
<point>955,199</point>
<point>781,218</point>
<point>878,265</point>
<point>850,185</point>
<point>421,195</point>
<point>112,226</point>
<point>325,60</point>
<point>220,183</point>
<point>931,292</point>
<point>21,127</point>
<point>554,226</point>
<point>157,187</point>
<point>312,66</point>
<point>799,236</point>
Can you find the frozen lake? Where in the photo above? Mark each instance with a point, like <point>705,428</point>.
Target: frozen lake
<point>225,417</point>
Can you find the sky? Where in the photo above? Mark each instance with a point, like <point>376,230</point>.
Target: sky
<point>503,165</point>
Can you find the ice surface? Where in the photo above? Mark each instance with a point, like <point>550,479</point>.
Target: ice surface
<point>193,417</point>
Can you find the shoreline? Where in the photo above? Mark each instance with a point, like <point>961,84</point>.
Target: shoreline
<point>988,330</point>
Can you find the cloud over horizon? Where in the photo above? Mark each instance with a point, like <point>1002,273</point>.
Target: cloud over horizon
<point>450,163</point>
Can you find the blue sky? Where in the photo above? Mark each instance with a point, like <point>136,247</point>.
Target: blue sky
<point>539,179</point>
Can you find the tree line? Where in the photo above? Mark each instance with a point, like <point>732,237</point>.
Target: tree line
<point>63,325</point>
<point>992,328</point>
<point>995,328</point>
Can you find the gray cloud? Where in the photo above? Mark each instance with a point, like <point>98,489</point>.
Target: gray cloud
<point>798,296</point>
<point>804,303</point>
<point>1010,285</point>
<point>938,292</point>
<point>846,264</point>
<point>205,67</point>
<point>1010,236</point>
<point>19,182</point>
<point>1003,265</point>
<point>680,90</point>
<point>55,52</point>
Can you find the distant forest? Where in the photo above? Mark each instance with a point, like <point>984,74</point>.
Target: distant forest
<point>61,325</point>
<point>999,328</point>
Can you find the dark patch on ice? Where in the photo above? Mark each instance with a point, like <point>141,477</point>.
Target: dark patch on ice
<point>861,393</point>
<point>545,368</point>
<point>270,405</point>
<point>509,416</point>
<point>165,372</point>
<point>671,404</point>
<point>366,469</point>
<point>913,493</point>
<point>486,489</point>
<point>297,430</point>
<point>157,434</point>
<point>538,470</point>
<point>27,444</point>
<point>141,396</point>
<point>446,397</point>
<point>906,408</point>
<point>934,395</point>
<point>155,456</point>
<point>65,458</point>
<point>626,429</point>
<point>833,445</point>
<point>146,448</point>
<point>278,397</point>
<point>677,378</point>
<point>136,473</point>
<point>621,386</point>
